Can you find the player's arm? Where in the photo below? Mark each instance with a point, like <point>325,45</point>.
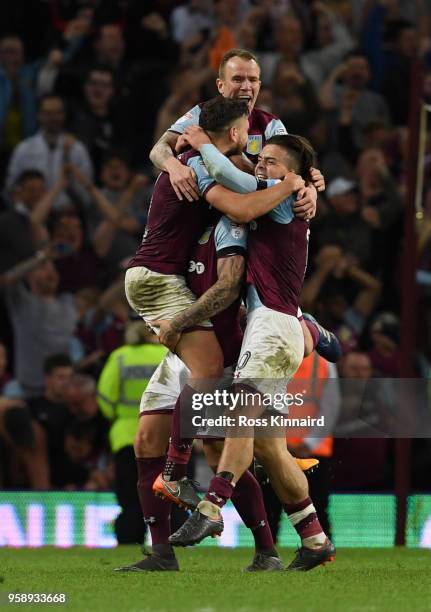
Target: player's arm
<point>243,208</point>
<point>182,177</point>
<point>224,172</point>
<point>220,296</point>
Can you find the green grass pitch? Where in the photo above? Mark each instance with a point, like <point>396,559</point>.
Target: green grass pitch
<point>211,580</point>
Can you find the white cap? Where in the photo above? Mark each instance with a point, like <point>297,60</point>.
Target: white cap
<point>340,186</point>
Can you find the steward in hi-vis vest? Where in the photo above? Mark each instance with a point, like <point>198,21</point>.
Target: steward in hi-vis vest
<point>123,380</point>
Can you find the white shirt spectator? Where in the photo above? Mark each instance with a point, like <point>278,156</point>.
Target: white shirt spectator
<point>34,153</point>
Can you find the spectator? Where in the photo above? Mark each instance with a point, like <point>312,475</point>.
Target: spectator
<point>24,440</point>
<point>107,49</point>
<point>85,468</point>
<point>43,320</point>
<point>120,387</point>
<point>385,354</point>
<point>351,103</point>
<point>51,413</point>
<point>16,225</point>
<point>193,17</point>
<point>100,327</point>
<point>49,150</point>
<point>86,438</point>
<point>295,101</point>
<point>77,263</point>
<point>343,295</point>
<point>344,225</point>
<point>20,85</point>
<point>22,229</point>
<point>358,461</point>
<point>98,124</point>
<point>186,92</point>
<point>116,222</point>
<point>333,41</point>
<point>17,93</point>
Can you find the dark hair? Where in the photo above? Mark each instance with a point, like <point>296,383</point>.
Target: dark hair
<point>29,175</point>
<point>59,360</point>
<point>100,68</point>
<point>58,216</point>
<point>358,52</point>
<point>219,113</point>
<point>82,431</point>
<point>299,150</point>
<point>394,28</point>
<point>248,56</point>
<point>50,96</point>
<point>111,154</point>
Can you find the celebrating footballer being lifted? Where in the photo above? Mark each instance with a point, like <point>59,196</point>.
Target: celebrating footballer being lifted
<point>221,256</point>
<point>277,255</point>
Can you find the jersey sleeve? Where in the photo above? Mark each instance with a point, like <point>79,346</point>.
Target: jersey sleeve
<point>191,117</point>
<point>224,171</point>
<point>283,212</point>
<point>274,128</point>
<point>230,238</point>
<point>204,180</point>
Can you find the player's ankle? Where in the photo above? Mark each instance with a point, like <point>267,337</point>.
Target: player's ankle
<point>163,550</point>
<point>269,552</point>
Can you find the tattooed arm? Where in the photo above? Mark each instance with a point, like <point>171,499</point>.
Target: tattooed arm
<point>220,296</point>
<point>182,177</point>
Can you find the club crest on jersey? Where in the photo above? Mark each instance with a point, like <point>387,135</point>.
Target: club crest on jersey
<point>254,144</point>
<point>253,225</point>
<point>205,236</point>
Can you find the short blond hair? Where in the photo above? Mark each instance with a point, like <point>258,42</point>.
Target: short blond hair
<point>243,54</point>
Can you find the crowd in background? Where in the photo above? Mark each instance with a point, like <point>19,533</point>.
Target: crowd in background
<point>86,88</point>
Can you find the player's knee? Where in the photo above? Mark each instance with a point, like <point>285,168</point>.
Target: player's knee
<point>149,442</point>
<point>213,450</point>
<point>264,451</point>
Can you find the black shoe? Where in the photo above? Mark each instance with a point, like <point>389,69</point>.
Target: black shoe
<point>265,563</point>
<point>182,492</point>
<point>152,563</point>
<point>205,521</point>
<point>308,558</point>
<point>328,346</point>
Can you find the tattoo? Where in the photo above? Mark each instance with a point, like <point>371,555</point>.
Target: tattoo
<point>218,297</point>
<point>163,149</point>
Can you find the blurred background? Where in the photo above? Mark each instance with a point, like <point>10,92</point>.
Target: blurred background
<point>86,88</point>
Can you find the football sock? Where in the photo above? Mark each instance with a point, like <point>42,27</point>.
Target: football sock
<point>155,510</point>
<point>304,519</point>
<point>248,500</point>
<point>180,449</point>
<point>220,489</point>
<point>313,331</point>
